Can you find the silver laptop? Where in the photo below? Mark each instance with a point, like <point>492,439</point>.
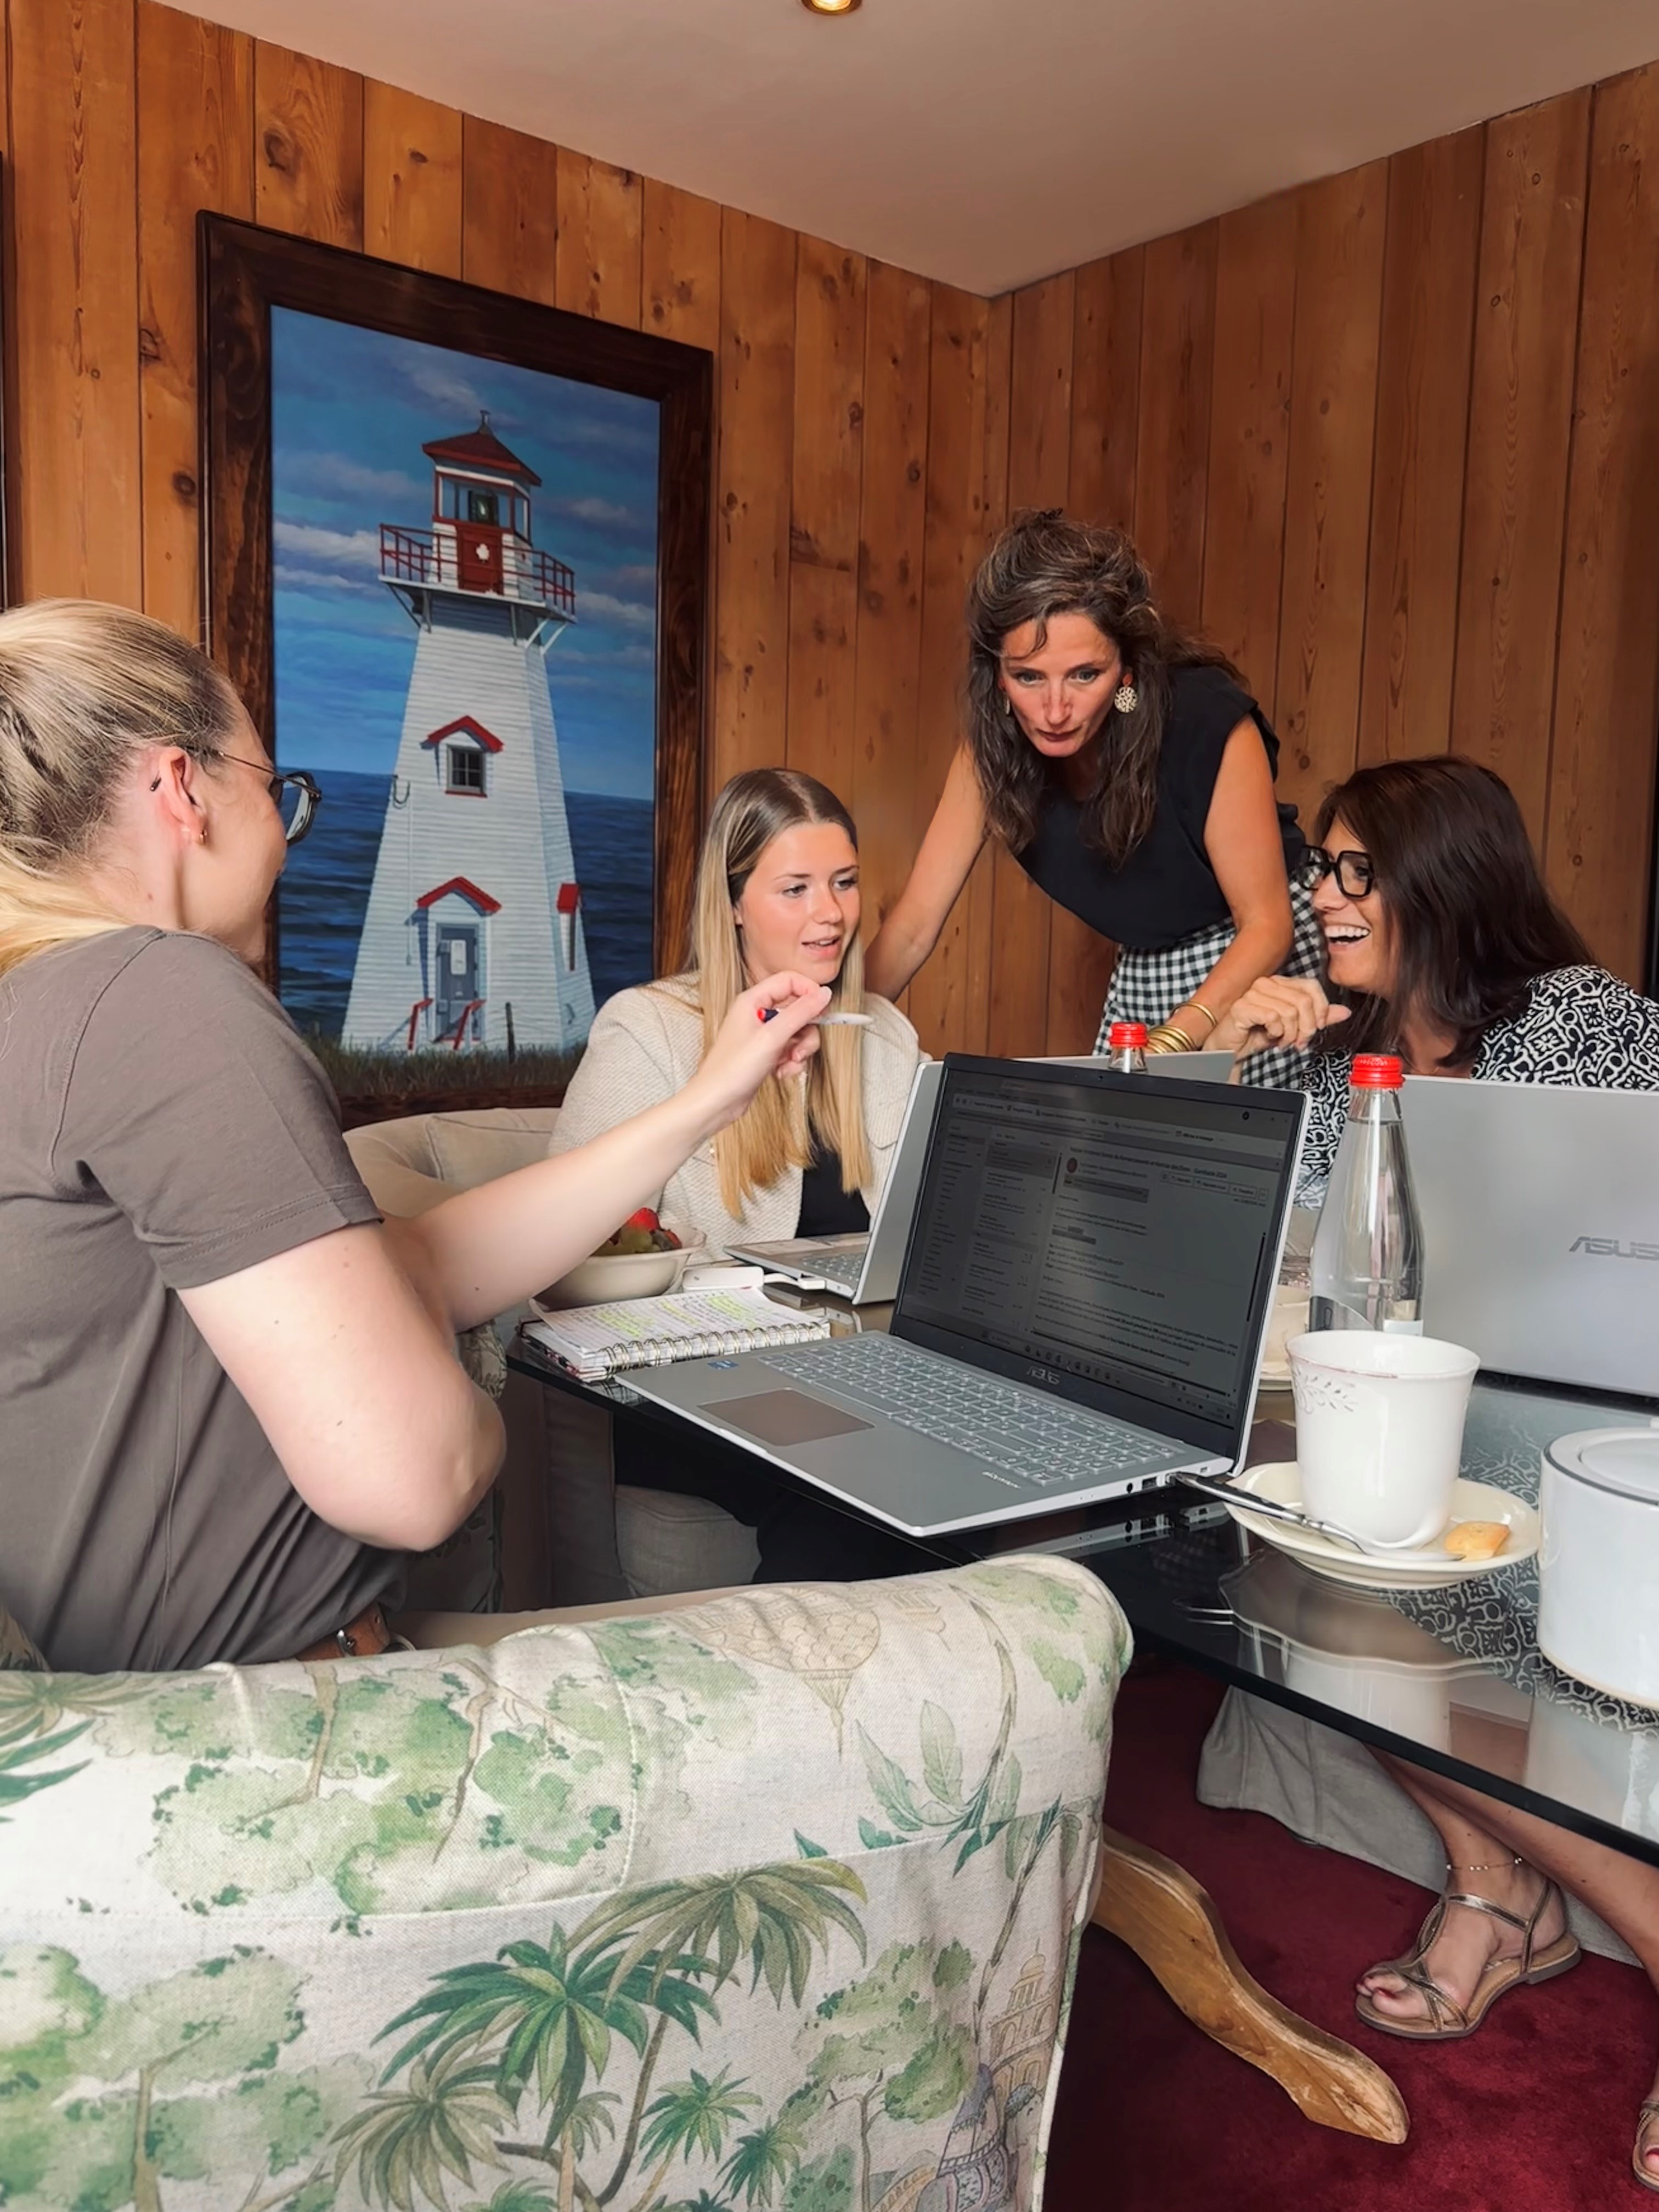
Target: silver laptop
<point>863,1267</point>
<point>1184,1066</point>
<point>1081,1313</point>
<point>1540,1220</point>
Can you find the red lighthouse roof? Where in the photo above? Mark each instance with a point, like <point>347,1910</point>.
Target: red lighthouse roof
<point>481,449</point>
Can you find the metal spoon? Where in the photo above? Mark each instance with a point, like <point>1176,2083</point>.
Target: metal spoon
<point>1271,1509</point>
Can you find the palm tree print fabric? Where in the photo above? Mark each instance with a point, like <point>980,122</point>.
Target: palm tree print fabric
<point>772,1902</point>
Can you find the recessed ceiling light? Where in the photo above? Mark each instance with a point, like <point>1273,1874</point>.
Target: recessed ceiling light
<point>830,7</point>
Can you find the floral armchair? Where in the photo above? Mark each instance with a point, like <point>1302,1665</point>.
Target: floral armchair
<point>774,1901</point>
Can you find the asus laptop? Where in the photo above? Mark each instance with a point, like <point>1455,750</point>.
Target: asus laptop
<point>1541,1221</point>
<point>863,1269</point>
<point>1081,1313</point>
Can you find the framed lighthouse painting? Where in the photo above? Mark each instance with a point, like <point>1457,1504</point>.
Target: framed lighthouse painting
<point>456,547</point>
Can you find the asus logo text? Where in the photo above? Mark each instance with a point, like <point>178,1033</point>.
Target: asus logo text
<point>1609,1248</point>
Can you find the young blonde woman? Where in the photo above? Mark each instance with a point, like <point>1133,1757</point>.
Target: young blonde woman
<point>778,880</point>
<point>777,885</point>
<point>229,1397</point>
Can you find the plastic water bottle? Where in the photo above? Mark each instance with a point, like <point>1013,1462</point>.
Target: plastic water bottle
<point>1126,1043</point>
<point>1367,1266</point>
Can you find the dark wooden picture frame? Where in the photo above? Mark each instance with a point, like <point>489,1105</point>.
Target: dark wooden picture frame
<point>246,272</point>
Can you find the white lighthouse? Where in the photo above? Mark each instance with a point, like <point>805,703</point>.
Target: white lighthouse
<point>474,929</point>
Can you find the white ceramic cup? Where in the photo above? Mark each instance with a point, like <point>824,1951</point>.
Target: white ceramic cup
<point>1379,1429</point>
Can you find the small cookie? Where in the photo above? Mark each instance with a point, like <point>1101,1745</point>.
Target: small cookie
<point>1476,1540</point>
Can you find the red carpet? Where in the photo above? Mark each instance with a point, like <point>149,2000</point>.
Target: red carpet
<point>1534,2113</point>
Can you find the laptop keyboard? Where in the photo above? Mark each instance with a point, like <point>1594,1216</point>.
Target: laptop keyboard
<point>1043,1442</point>
<point>842,1267</point>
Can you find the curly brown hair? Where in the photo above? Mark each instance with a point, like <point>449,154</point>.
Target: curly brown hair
<point>1046,563</point>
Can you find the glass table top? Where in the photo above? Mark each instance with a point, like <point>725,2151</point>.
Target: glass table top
<point>1451,1678</point>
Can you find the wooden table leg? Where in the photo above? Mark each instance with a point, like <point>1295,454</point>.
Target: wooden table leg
<point>1172,1926</point>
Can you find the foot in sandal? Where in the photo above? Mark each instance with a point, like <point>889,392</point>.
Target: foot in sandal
<point>1644,2154</point>
<point>1495,1927</point>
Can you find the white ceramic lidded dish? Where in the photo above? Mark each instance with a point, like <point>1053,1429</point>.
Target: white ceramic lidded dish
<point>1598,1563</point>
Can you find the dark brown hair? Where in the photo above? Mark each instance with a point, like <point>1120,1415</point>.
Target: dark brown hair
<point>1044,564</point>
<point>1472,922</point>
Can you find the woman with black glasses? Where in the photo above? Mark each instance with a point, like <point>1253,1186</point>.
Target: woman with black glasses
<point>1443,944</point>
<point>229,1397</point>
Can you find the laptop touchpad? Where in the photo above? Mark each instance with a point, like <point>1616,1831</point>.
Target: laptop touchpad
<point>787,1417</point>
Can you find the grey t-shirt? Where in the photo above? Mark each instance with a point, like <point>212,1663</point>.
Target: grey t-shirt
<point>161,1125</point>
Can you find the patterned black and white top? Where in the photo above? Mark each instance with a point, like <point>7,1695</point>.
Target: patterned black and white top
<point>1580,1027</point>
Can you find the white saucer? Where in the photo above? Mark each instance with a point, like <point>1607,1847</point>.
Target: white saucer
<point>1281,1481</point>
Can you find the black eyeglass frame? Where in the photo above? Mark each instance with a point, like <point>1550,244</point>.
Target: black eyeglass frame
<point>1355,873</point>
<point>310,794</point>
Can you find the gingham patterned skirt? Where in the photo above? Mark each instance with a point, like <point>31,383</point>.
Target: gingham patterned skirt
<point>1148,986</point>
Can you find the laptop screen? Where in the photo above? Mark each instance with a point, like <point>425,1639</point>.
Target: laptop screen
<point>1112,1240</point>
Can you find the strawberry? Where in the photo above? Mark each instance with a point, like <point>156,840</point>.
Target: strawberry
<point>645,1218</point>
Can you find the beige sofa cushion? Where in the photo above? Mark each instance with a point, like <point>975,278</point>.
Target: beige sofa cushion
<point>410,1165</point>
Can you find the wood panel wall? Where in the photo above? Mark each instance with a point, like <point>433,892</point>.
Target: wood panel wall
<point>1393,439</point>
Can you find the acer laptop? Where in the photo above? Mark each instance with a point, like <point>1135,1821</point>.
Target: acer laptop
<point>1081,1313</point>
<point>1540,1220</point>
<point>863,1269</point>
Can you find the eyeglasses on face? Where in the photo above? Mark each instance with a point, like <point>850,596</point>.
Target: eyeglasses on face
<point>1356,878</point>
<point>295,796</point>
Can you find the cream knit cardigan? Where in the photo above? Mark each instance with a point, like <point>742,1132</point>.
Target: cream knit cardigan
<point>646,1044</point>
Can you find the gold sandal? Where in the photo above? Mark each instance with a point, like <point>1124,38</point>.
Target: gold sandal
<point>1447,2020</point>
<point>1645,2129</point>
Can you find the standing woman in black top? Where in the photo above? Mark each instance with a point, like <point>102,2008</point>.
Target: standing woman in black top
<point>1125,767</point>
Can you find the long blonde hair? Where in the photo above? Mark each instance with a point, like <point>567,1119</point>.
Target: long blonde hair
<point>83,687</point>
<point>777,1130</point>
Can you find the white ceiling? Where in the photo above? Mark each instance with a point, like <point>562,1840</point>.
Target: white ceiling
<point>984,141</point>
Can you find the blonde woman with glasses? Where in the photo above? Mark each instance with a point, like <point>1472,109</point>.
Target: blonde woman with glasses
<point>229,1398</point>
<point>777,881</point>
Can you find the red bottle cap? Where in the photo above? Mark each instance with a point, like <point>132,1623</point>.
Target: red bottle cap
<point>1377,1071</point>
<point>1127,1037</point>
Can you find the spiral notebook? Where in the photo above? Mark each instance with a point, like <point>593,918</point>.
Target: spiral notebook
<point>594,1341</point>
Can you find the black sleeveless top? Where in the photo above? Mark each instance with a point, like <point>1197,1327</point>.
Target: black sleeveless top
<point>827,1210</point>
<point>1166,889</point>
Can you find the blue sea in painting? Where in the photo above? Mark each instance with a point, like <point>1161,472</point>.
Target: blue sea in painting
<point>353,413</point>
<point>324,894</point>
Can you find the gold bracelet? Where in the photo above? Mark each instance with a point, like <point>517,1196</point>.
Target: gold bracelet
<point>1166,1037</point>
<point>1198,1006</point>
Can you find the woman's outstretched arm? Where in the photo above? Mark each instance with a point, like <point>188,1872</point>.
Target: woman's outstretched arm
<point>942,866</point>
<point>344,1347</point>
<point>485,1249</point>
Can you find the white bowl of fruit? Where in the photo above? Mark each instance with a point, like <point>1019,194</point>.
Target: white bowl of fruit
<point>644,1259</point>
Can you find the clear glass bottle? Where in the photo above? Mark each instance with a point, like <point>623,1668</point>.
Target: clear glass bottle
<point>1367,1265</point>
<point>1125,1043</point>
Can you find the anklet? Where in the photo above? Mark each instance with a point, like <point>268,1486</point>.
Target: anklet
<point>1487,1866</point>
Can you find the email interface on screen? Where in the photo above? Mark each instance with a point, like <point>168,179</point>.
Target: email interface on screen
<point>1116,1236</point>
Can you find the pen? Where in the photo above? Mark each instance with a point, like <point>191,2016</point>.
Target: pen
<point>826,1021</point>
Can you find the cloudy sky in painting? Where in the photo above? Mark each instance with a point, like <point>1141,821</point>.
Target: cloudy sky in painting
<point>350,410</point>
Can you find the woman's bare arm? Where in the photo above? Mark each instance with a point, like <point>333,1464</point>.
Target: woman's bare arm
<point>344,1346</point>
<point>942,866</point>
<point>1242,839</point>
<point>357,1385</point>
